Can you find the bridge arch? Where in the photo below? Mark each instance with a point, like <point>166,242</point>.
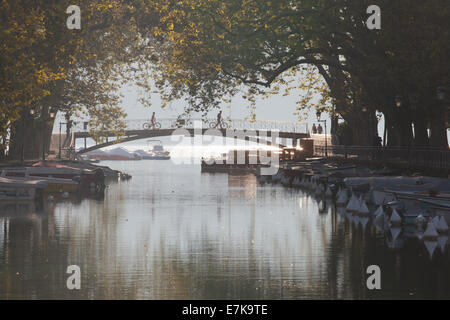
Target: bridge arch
<point>253,131</point>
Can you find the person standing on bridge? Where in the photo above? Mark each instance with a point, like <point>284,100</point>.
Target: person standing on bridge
<point>314,129</point>
<point>69,124</point>
<point>319,129</point>
<point>153,120</point>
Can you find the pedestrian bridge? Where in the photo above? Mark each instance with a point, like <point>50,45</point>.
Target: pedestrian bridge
<point>259,131</point>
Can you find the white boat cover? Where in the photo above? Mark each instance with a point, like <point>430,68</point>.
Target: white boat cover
<point>395,217</point>
<point>21,183</point>
<point>431,231</point>
<point>379,211</point>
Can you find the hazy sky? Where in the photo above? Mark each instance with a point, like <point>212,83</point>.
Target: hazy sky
<point>277,107</point>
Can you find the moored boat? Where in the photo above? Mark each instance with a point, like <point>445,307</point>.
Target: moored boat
<point>54,185</point>
<point>156,153</point>
<point>435,203</point>
<point>60,176</point>
<point>21,190</point>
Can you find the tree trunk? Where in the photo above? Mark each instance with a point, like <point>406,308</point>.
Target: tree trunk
<point>362,132</point>
<point>399,130</point>
<point>333,130</point>
<point>438,138</point>
<point>420,131</point>
<point>406,134</point>
<point>392,133</point>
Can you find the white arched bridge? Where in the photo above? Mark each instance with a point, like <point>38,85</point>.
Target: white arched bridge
<point>259,131</point>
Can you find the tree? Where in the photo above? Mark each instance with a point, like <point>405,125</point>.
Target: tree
<point>73,71</point>
<point>210,48</point>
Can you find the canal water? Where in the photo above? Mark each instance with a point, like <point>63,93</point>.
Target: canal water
<point>174,233</point>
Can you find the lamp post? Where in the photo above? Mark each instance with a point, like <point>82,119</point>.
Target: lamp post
<point>441,93</point>
<point>398,101</point>
<point>59,149</point>
<point>32,113</point>
<point>318,114</point>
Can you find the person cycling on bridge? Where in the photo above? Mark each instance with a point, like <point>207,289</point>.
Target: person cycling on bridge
<point>219,120</point>
<point>153,120</point>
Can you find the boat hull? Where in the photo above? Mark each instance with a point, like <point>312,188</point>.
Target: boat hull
<point>156,158</point>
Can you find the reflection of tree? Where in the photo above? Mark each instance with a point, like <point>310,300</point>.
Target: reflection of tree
<point>272,245</point>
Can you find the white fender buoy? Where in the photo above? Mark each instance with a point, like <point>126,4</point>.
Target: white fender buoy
<point>379,211</point>
<point>435,221</point>
<point>352,204</point>
<point>342,199</point>
<point>379,218</point>
<point>395,218</point>
<point>442,241</point>
<point>363,210</point>
<point>442,226</point>
<point>355,220</point>
<point>430,232</point>
<point>358,203</point>
<point>395,232</point>
<point>363,221</point>
<point>431,247</point>
<point>419,235</point>
<point>65,195</point>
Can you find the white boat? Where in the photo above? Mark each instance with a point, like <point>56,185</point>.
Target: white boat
<point>156,153</point>
<point>19,189</point>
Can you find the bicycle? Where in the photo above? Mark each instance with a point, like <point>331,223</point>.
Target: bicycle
<point>221,125</point>
<point>149,125</point>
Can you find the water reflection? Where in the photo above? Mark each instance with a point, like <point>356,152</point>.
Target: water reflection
<point>174,233</point>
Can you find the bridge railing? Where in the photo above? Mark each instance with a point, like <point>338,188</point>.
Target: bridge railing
<point>238,124</point>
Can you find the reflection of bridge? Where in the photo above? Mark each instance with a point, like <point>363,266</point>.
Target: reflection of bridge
<point>260,131</point>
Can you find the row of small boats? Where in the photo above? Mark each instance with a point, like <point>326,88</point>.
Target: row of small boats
<point>405,200</point>
<point>33,182</point>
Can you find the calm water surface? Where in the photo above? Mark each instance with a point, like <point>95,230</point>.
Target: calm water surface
<point>174,233</point>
